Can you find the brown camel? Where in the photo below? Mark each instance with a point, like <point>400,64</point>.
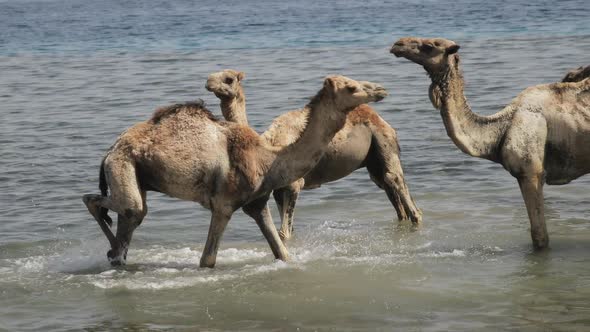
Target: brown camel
<point>185,152</point>
<point>542,136</point>
<point>366,140</point>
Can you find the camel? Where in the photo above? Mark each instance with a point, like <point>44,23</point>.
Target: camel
<point>366,140</point>
<point>578,74</point>
<point>187,153</point>
<point>542,136</point>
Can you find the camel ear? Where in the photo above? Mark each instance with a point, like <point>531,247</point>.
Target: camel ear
<point>241,76</point>
<point>453,49</point>
<point>330,84</point>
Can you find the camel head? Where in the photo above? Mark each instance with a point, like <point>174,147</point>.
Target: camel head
<point>348,93</point>
<point>432,53</point>
<point>225,84</point>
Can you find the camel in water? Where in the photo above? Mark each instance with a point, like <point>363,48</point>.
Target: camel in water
<point>185,152</point>
<point>542,136</point>
<point>365,140</point>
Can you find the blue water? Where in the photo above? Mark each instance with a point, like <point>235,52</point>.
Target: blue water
<point>75,74</point>
<point>152,26</point>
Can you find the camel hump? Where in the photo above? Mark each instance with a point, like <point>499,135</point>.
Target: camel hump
<point>365,114</point>
<point>194,108</point>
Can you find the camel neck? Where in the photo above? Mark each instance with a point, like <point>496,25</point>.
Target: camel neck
<point>234,109</point>
<point>476,135</point>
<point>324,120</point>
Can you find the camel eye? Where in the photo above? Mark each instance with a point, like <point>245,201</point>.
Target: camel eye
<point>229,80</point>
<point>426,47</point>
<point>352,89</point>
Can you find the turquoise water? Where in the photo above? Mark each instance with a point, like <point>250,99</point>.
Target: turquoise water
<point>74,75</point>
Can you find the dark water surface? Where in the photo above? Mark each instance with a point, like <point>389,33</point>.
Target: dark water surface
<point>74,75</point>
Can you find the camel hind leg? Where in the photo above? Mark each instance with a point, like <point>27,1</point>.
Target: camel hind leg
<point>286,198</point>
<point>128,200</point>
<point>384,166</point>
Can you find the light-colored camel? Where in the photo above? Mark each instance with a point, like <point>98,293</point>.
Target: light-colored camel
<point>542,136</point>
<point>366,140</point>
<point>185,152</point>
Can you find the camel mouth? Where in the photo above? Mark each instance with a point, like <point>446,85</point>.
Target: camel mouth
<point>209,86</point>
<point>379,94</point>
<point>398,49</point>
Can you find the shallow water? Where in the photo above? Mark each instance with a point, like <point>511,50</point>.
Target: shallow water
<point>66,95</point>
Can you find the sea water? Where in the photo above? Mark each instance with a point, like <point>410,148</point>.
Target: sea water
<point>74,74</point>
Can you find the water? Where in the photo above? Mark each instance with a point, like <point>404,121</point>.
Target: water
<point>76,74</point>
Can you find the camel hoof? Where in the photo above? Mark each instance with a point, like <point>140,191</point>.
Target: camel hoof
<point>417,219</point>
<point>116,259</point>
<point>284,236</point>
<point>207,262</point>
<point>541,246</point>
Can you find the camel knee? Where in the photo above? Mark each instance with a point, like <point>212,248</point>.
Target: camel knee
<point>135,215</point>
<point>395,180</point>
<point>91,201</point>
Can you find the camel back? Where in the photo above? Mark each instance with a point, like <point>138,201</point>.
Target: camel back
<point>195,108</point>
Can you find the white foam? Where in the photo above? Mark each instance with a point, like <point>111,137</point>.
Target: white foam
<point>424,246</point>
<point>153,283</point>
<point>437,254</point>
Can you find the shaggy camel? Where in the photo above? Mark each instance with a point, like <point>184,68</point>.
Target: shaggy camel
<point>366,140</point>
<point>542,136</point>
<point>185,152</point>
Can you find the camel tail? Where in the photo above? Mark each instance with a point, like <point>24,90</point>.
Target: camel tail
<point>104,191</point>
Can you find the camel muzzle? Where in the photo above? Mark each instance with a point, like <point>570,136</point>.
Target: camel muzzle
<point>397,50</point>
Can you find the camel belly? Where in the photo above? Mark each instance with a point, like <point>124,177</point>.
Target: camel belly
<point>567,151</point>
<point>180,175</point>
<point>564,164</point>
<point>346,153</point>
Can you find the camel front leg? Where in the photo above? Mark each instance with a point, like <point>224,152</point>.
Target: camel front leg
<point>219,220</point>
<point>532,192</point>
<point>260,212</point>
<point>286,198</point>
